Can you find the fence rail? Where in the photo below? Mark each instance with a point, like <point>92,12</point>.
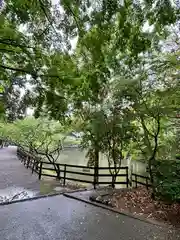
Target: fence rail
<point>138,180</point>
<point>62,171</point>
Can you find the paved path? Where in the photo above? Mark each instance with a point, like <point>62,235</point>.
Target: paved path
<point>13,172</point>
<point>61,218</point>
<point>17,180</point>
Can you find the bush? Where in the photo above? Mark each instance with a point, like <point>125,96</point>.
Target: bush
<point>167,180</point>
<point>177,156</point>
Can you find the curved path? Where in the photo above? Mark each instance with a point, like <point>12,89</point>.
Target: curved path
<point>61,218</point>
<point>17,182</point>
<point>13,172</point>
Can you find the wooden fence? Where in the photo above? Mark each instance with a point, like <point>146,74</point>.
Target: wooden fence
<point>29,160</point>
<point>66,172</point>
<point>79,173</point>
<point>138,179</point>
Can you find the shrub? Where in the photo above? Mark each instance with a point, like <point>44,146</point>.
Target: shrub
<point>167,180</point>
<point>178,156</point>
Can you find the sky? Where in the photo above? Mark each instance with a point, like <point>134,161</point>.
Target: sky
<point>55,1</point>
<point>74,40</point>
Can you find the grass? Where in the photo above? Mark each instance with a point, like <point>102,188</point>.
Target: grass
<point>50,172</point>
<point>46,187</point>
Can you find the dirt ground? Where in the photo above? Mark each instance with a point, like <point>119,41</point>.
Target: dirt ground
<point>138,201</point>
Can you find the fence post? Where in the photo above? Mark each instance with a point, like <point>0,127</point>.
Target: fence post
<point>25,160</point>
<point>37,162</point>
<point>64,181</point>
<point>96,176</point>
<point>131,176</point>
<point>28,160</point>
<point>40,171</point>
<point>33,165</point>
<point>127,177</point>
<point>136,180</point>
<point>21,158</point>
<point>147,183</point>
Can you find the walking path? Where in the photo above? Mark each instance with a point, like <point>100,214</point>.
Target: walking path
<point>61,218</point>
<point>13,172</point>
<point>16,181</point>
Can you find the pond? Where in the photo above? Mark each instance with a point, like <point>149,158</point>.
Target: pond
<point>76,156</point>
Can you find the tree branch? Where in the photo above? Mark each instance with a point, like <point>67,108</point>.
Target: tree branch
<point>34,74</point>
<point>13,43</point>
<point>18,70</point>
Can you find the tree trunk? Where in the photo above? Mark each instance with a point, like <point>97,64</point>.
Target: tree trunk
<point>96,165</point>
<point>114,180</point>
<point>150,164</point>
<point>57,169</point>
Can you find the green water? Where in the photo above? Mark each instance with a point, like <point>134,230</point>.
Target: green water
<point>77,157</point>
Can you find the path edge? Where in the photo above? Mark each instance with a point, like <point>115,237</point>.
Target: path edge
<point>38,197</point>
<point>115,210</point>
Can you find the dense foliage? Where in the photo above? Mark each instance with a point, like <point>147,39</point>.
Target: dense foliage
<point>167,181</point>
<point>40,137</point>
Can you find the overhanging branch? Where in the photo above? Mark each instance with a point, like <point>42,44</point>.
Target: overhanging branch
<point>26,71</point>
<point>11,42</point>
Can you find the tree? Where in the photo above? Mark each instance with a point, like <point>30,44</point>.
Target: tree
<point>148,91</point>
<point>35,42</point>
<point>117,135</point>
<point>16,99</point>
<point>114,46</point>
<point>26,36</point>
<point>40,137</point>
<point>92,140</point>
<point>108,32</point>
<point>49,144</point>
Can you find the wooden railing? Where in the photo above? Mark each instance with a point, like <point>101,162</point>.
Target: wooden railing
<point>78,173</point>
<point>138,179</point>
<point>29,160</point>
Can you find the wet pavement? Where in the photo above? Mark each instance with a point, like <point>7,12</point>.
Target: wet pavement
<point>15,179</point>
<point>15,193</point>
<point>17,182</point>
<point>61,218</point>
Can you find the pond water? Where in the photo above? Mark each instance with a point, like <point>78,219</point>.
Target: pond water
<point>75,156</point>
